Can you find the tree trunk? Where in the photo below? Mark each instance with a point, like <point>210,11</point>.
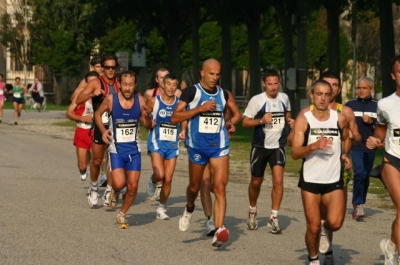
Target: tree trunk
<point>387,45</point>
<point>253,35</point>
<point>226,72</point>
<point>333,12</point>
<point>285,18</point>
<point>174,55</point>
<point>195,41</point>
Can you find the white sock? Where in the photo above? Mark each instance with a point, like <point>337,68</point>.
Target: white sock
<point>161,206</point>
<point>253,209</point>
<point>274,213</point>
<point>109,188</point>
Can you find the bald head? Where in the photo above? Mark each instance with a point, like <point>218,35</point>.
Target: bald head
<point>210,73</point>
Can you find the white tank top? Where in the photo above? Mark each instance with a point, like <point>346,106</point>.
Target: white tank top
<point>388,114</point>
<point>323,166</point>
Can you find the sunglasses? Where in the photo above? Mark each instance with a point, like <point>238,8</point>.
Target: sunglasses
<point>108,67</point>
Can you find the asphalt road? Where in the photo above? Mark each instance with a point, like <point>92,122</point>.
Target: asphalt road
<point>45,217</point>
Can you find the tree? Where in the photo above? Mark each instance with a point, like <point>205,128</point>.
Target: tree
<point>14,33</point>
<point>61,37</point>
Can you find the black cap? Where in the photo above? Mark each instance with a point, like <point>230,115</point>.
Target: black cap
<point>95,60</point>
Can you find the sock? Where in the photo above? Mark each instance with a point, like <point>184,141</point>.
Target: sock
<point>94,185</point>
<point>312,258</point>
<point>189,209</point>
<point>83,172</point>
<point>253,209</point>
<point>274,213</point>
<point>209,217</point>
<point>160,205</point>
<point>391,246</point>
<point>109,188</point>
<point>121,214</point>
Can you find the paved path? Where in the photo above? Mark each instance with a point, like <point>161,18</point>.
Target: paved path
<point>45,217</point>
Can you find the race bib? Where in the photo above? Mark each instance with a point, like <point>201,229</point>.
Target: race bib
<point>17,94</point>
<point>278,122</point>
<point>331,134</point>
<point>210,122</point>
<point>126,132</point>
<point>1,92</point>
<point>104,118</point>
<point>168,132</point>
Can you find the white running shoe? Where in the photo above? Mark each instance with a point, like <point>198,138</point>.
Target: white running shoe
<point>314,262</point>
<point>185,220</point>
<point>161,214</point>
<point>92,197</point>
<point>273,225</point>
<point>151,186</point>
<point>389,256</point>
<point>220,237</point>
<point>210,227</point>
<point>106,198</point>
<point>324,242</point>
<point>83,176</point>
<point>113,198</point>
<point>252,222</point>
<point>156,195</point>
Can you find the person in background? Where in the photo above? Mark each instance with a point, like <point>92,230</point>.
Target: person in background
<point>364,108</point>
<point>18,91</point>
<point>36,91</point>
<point>3,90</point>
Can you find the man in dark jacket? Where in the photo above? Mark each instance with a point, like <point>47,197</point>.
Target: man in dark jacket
<point>364,107</point>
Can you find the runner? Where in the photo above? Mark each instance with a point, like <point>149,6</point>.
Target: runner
<point>83,115</point>
<point>18,91</point>
<point>319,139</point>
<point>126,108</point>
<point>3,90</point>
<point>267,113</point>
<point>163,142</point>
<point>203,106</point>
<point>387,135</point>
<point>97,90</point>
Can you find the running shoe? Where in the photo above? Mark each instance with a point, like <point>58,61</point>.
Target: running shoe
<point>123,192</point>
<point>210,227</point>
<point>113,198</point>
<point>324,242</point>
<point>161,214</point>
<point>106,198</point>
<point>252,222</point>
<point>92,197</point>
<point>314,262</point>
<point>15,123</point>
<point>220,237</point>
<point>83,176</point>
<point>151,187</point>
<point>273,224</point>
<point>389,256</point>
<point>103,179</point>
<point>156,195</point>
<point>122,223</point>
<point>358,212</point>
<point>185,220</point>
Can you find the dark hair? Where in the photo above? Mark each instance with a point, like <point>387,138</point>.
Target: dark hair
<point>1,75</point>
<point>109,56</point>
<point>170,76</point>
<point>329,74</point>
<point>319,82</point>
<point>91,73</point>
<point>17,78</point>
<point>95,60</point>
<point>128,73</point>
<point>393,62</point>
<point>270,72</point>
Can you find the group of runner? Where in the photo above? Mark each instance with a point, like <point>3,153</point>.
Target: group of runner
<point>203,115</point>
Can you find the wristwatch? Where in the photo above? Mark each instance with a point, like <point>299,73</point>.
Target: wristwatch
<point>260,122</point>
